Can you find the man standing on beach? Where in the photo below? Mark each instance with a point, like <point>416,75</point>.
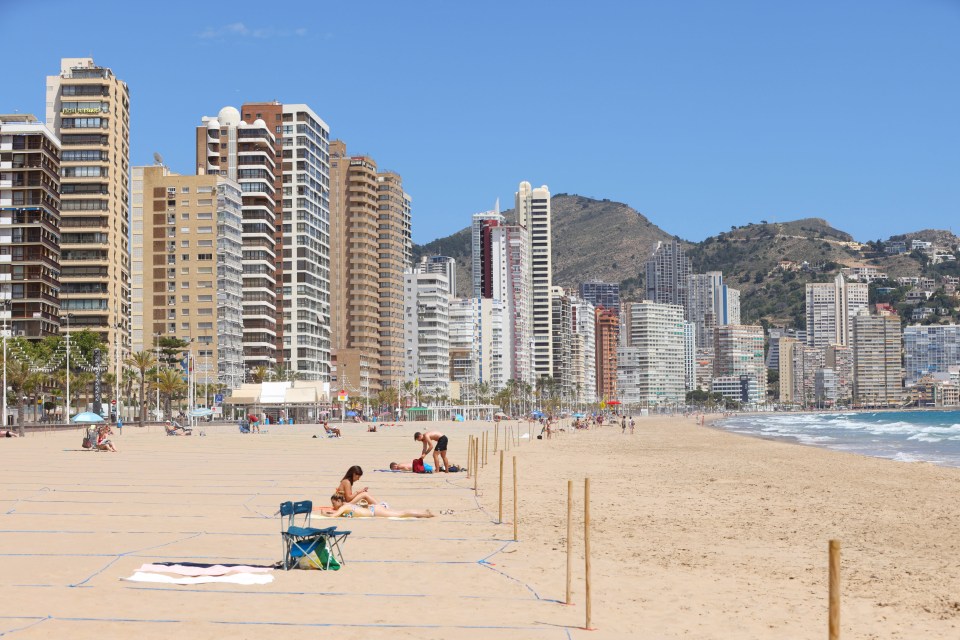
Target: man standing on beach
<point>437,442</point>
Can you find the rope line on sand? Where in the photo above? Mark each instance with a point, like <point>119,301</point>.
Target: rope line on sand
<point>35,622</point>
<point>358,625</point>
<point>130,553</point>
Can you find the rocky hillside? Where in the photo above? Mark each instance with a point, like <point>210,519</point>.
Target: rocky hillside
<point>592,240</point>
<point>769,262</point>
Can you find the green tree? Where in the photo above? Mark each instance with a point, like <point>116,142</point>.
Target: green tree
<point>172,387</point>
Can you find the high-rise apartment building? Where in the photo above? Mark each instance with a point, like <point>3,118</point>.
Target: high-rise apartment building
<point>355,266</point>
<point>605,294</point>
<point>395,251</point>
<point>187,268</point>
<point>830,309</point>
<point>689,356</point>
<point>478,352</point>
<point>88,109</point>
<point>533,212</point>
<point>29,227</point>
<point>301,181</point>
<point>930,349</point>
<point>651,369</point>
<point>774,335</point>
<point>607,336</point>
<point>584,350</point>
<point>739,352</point>
<point>370,249</point>
<point>484,255</point>
<point>427,332</point>
<point>667,271</point>
<point>245,152</point>
<point>561,334</point>
<point>839,359</point>
<point>441,264</point>
<point>877,371</point>
<point>786,348</point>
<point>710,304</point>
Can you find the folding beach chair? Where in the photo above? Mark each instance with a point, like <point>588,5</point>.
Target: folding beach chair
<point>300,540</point>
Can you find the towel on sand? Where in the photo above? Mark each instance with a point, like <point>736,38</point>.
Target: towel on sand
<point>236,578</point>
<point>200,570</point>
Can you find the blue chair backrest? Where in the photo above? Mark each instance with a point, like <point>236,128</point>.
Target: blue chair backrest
<point>304,506</point>
<point>286,509</point>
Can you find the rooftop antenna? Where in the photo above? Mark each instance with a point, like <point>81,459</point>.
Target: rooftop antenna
<point>157,158</point>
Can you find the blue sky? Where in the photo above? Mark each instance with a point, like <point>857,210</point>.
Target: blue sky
<point>701,115</point>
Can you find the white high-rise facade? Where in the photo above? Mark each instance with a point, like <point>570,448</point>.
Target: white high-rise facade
<point>477,346</point>
<point>427,331</point>
<point>513,285</point>
<point>305,291</point>
<point>831,307</point>
<point>651,366</point>
<point>710,304</point>
<point>533,212</point>
<point>584,370</point>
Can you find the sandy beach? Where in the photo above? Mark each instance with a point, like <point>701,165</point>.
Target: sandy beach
<point>696,533</point>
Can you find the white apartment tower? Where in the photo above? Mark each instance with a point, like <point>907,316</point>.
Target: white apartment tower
<point>651,367</point>
<point>533,212</point>
<point>426,326</point>
<point>584,371</point>
<point>831,307</point>
<point>710,304</point>
<point>506,277</point>
<point>667,271</point>
<point>244,152</point>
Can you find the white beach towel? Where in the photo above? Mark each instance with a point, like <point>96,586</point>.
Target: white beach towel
<point>214,570</point>
<point>236,578</point>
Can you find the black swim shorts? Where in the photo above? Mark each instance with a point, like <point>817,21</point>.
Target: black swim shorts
<point>441,444</point>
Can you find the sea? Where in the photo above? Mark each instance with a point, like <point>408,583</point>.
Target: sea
<point>906,436</point>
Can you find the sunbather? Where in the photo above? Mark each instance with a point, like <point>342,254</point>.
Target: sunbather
<point>331,430</point>
<point>345,488</point>
<point>345,510</point>
<point>408,466</point>
<point>103,444</point>
<point>6,433</point>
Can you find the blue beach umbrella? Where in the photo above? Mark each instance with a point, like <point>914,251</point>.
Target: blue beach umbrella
<point>87,417</point>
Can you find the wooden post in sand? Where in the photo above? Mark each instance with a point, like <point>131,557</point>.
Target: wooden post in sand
<point>476,465</point>
<point>586,547</point>
<point>569,539</point>
<point>469,455</point>
<point>514,498</point>
<point>834,617</point>
<point>486,442</point>
<point>496,437</point>
<point>506,438</point>
<point>500,512</point>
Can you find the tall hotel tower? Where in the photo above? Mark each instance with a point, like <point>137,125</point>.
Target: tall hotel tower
<point>88,109</point>
<point>244,152</point>
<point>533,212</point>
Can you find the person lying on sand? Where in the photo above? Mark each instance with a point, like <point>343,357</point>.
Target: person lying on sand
<point>8,434</point>
<point>345,488</point>
<point>408,466</point>
<point>345,510</point>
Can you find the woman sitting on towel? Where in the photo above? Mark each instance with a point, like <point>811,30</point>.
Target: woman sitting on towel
<point>345,487</point>
<point>345,510</point>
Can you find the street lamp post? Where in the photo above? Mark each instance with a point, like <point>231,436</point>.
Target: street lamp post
<point>116,374</point>
<point>6,307</point>
<point>67,402</point>
<point>156,356</point>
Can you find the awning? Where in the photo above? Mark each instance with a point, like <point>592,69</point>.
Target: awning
<point>300,395</point>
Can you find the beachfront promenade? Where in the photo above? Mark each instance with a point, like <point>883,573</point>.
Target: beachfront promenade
<point>697,533</point>
<point>74,522</point>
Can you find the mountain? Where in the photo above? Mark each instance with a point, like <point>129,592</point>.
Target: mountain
<point>592,240</point>
<point>770,262</point>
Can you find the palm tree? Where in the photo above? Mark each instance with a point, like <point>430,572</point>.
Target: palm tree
<point>80,386</point>
<point>22,381</point>
<point>127,377</point>
<point>408,390</point>
<point>171,385</point>
<point>483,392</point>
<point>259,374</point>
<point>142,362</point>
